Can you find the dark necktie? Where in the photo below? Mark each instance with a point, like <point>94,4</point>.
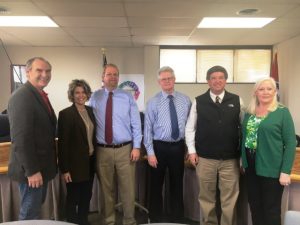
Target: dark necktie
<point>108,120</point>
<point>174,120</point>
<point>218,100</point>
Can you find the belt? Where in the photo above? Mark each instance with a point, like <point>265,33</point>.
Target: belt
<point>114,146</point>
<point>169,142</point>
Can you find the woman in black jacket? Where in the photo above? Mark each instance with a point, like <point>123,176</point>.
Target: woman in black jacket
<point>76,142</point>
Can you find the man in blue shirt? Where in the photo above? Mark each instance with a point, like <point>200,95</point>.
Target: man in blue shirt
<point>165,118</point>
<point>119,138</point>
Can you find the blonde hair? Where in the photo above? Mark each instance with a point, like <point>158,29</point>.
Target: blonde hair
<point>254,101</point>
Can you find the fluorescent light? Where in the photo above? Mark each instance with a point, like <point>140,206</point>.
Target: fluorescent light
<point>234,22</point>
<point>26,21</point>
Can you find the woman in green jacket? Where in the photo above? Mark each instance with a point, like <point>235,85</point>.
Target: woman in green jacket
<point>268,151</point>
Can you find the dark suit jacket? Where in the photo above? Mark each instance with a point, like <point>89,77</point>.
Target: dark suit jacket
<point>73,147</point>
<point>32,129</point>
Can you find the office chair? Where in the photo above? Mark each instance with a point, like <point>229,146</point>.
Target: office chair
<point>292,218</point>
<point>4,128</point>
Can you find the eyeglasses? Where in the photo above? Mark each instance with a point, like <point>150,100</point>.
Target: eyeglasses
<point>167,79</point>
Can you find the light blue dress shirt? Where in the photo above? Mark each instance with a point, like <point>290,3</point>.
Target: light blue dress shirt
<point>158,122</point>
<point>126,117</point>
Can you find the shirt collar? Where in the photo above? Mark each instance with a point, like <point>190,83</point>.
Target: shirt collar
<point>165,94</point>
<point>213,96</point>
<point>107,91</point>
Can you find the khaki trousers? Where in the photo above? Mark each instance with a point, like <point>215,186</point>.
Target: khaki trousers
<point>227,171</point>
<point>115,163</point>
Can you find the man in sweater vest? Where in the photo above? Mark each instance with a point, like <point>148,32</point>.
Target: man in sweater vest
<point>212,136</point>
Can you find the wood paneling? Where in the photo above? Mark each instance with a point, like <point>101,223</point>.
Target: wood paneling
<point>4,156</point>
<point>295,175</point>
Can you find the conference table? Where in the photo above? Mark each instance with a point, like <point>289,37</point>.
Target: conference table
<point>54,204</point>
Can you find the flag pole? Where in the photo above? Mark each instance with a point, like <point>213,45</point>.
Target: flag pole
<point>104,60</point>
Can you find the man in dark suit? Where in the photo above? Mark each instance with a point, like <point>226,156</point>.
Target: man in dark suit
<point>32,124</point>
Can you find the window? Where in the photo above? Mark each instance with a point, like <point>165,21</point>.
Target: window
<point>244,65</point>
<point>209,58</point>
<point>251,65</point>
<point>18,76</point>
<point>182,61</point>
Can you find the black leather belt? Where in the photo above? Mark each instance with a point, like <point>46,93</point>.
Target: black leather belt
<point>168,142</point>
<point>114,146</point>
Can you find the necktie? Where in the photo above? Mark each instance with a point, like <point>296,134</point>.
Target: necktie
<point>174,120</point>
<point>46,100</point>
<point>108,120</point>
<point>218,100</point>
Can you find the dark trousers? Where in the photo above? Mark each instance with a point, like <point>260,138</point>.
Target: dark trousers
<point>264,195</point>
<point>79,195</point>
<point>171,156</point>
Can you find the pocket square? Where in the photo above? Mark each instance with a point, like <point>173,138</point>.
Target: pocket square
<point>231,105</point>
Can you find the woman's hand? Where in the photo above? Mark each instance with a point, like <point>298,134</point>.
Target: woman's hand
<point>284,179</point>
<point>67,177</point>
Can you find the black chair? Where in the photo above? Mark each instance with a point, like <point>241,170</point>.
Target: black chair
<point>4,128</point>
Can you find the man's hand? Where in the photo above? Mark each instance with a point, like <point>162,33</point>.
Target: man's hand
<point>135,155</point>
<point>67,177</point>
<point>35,180</point>
<point>194,159</point>
<point>152,161</point>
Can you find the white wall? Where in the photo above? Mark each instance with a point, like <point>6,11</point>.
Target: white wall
<point>85,63</point>
<point>289,76</point>
<point>68,64</point>
<point>4,80</point>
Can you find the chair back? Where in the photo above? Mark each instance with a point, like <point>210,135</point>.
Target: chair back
<point>4,128</point>
<point>292,218</point>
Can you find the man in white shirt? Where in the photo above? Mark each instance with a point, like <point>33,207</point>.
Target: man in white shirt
<point>212,135</point>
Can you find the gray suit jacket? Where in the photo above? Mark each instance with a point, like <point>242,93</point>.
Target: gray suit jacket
<point>32,129</point>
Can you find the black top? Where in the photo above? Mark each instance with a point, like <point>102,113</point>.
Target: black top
<point>218,127</point>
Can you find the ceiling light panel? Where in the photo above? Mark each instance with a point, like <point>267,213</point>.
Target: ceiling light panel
<point>26,21</point>
<point>234,22</point>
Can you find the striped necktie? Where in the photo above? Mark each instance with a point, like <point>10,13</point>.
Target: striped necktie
<point>218,100</point>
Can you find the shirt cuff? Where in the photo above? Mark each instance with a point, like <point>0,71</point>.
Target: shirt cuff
<point>150,151</point>
<point>191,149</point>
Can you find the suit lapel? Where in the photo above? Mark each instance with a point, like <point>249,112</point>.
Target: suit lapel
<point>79,120</point>
<point>40,99</point>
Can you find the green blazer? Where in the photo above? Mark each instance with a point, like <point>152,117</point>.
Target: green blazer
<point>276,144</point>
